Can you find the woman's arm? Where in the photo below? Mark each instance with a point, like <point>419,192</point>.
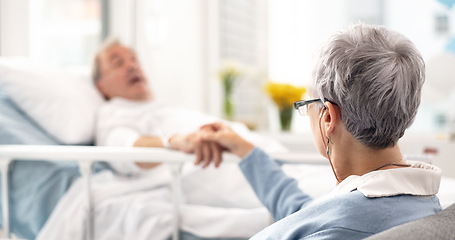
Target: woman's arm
<point>278,192</point>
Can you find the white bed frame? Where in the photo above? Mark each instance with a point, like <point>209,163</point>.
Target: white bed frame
<point>87,155</point>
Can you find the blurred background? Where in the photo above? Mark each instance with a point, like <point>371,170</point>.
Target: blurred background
<point>183,44</point>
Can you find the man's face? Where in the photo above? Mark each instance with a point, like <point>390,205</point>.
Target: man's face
<point>121,75</point>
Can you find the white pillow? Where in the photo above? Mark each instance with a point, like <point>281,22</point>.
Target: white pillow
<point>62,102</point>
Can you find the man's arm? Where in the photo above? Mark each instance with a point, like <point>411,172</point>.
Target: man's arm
<point>188,143</point>
<point>181,142</point>
<point>148,141</point>
<point>185,143</point>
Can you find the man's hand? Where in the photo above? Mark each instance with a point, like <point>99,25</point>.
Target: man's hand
<point>225,139</point>
<point>205,151</point>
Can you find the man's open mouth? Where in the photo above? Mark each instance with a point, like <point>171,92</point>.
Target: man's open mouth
<point>134,80</point>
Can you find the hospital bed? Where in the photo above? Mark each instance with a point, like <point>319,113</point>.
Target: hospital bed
<point>33,157</point>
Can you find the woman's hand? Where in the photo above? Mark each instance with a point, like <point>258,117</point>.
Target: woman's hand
<point>225,137</point>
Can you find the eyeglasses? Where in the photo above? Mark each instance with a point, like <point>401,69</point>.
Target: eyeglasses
<point>302,105</point>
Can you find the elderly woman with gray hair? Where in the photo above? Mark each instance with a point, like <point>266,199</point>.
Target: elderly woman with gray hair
<point>365,93</point>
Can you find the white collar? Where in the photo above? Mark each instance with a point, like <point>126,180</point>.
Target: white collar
<point>421,179</point>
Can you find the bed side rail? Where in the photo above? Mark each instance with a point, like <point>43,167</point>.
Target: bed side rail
<point>87,155</point>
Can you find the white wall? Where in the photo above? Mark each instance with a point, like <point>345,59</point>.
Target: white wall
<point>176,67</point>
<point>122,20</point>
<point>296,30</point>
<point>418,24</point>
<point>415,20</point>
<point>14,27</point>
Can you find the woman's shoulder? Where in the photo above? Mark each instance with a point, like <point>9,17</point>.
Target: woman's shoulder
<point>351,216</point>
<point>358,212</point>
<point>355,201</point>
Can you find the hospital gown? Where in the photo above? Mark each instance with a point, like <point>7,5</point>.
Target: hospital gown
<point>121,122</point>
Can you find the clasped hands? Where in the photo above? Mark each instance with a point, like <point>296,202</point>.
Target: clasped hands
<point>209,142</point>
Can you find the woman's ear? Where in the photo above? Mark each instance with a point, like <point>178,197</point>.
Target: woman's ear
<point>331,117</point>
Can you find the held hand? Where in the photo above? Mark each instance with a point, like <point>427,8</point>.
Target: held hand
<point>207,152</point>
<point>185,142</point>
<point>226,138</point>
<point>193,143</point>
<point>209,142</point>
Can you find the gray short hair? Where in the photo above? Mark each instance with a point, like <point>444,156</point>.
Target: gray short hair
<point>375,76</point>
<point>107,43</point>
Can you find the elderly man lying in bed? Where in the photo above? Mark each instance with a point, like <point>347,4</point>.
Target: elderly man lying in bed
<point>132,117</point>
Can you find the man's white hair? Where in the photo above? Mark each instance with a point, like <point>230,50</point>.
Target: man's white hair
<point>108,43</point>
<point>375,76</point>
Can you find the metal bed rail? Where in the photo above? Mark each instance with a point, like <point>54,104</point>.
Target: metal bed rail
<point>87,155</point>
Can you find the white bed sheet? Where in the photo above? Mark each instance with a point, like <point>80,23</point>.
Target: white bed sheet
<point>140,207</point>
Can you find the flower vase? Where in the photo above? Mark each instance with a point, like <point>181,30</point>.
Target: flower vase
<point>228,106</point>
<point>286,118</point>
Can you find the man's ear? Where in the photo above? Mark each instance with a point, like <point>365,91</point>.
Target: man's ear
<point>331,117</point>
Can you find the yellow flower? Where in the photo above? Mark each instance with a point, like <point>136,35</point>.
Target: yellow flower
<point>284,95</point>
